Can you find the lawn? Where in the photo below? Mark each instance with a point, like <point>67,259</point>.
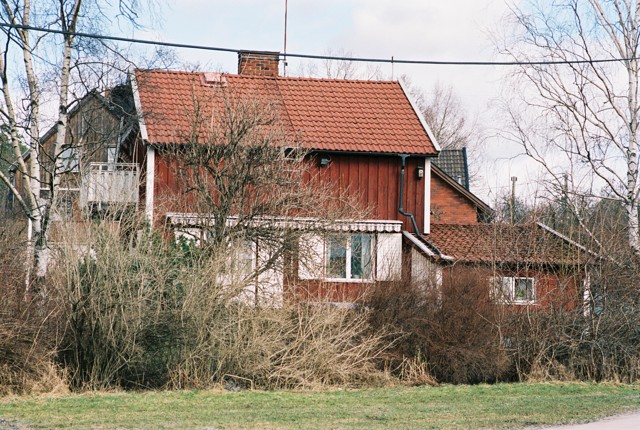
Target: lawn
<point>464,407</point>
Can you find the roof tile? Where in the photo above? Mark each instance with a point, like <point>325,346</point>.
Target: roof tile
<point>504,243</point>
<point>332,115</point>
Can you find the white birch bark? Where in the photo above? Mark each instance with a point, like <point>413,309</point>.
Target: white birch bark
<point>590,111</point>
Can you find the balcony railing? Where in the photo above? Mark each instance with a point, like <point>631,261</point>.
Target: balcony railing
<point>109,184</point>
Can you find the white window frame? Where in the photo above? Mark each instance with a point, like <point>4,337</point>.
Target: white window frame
<point>348,276</point>
<point>503,288</point>
<point>112,155</point>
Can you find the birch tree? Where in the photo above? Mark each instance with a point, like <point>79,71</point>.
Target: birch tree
<point>579,117</point>
<point>36,68</point>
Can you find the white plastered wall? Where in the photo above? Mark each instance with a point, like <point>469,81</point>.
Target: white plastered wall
<point>388,257</point>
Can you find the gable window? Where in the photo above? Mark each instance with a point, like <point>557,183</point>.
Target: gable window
<point>518,290</point>
<point>349,257</point>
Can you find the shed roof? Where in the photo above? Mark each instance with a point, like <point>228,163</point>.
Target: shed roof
<point>533,244</point>
<point>323,114</point>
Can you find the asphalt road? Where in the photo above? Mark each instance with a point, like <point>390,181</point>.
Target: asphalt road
<point>618,422</point>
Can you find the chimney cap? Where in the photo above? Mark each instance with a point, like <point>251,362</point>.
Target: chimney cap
<point>258,53</point>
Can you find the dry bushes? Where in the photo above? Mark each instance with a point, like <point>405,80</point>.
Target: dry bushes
<point>599,343</point>
<point>451,330</point>
<point>304,346</point>
<point>28,335</point>
<point>172,315</point>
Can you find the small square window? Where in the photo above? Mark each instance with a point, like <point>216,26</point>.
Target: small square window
<point>517,290</point>
<point>523,290</point>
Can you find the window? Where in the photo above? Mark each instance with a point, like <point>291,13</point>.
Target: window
<point>69,158</point>
<point>112,154</point>
<point>519,290</point>
<point>349,257</point>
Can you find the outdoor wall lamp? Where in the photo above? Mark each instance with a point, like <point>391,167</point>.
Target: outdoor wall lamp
<point>324,161</point>
<point>420,172</point>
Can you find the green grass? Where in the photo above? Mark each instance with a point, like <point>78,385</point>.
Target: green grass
<point>465,407</point>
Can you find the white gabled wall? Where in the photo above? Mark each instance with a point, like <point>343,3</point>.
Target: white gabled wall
<point>311,257</point>
<point>270,283</point>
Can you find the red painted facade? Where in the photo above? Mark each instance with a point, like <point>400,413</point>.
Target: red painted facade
<point>372,181</point>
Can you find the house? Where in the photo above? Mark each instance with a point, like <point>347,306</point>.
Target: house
<point>95,175</point>
<point>526,264</point>
<point>365,139</point>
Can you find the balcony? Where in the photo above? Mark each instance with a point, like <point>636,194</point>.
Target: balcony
<point>109,185</point>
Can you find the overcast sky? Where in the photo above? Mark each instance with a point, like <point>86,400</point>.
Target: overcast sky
<point>407,29</point>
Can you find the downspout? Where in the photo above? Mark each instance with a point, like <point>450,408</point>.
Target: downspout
<point>416,230</point>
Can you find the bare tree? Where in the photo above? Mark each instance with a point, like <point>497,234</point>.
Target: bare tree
<point>50,68</point>
<point>447,118</point>
<point>580,118</point>
<point>340,69</point>
<point>452,125</point>
<point>243,176</point>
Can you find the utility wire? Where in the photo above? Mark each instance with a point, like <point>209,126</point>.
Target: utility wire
<point>313,56</point>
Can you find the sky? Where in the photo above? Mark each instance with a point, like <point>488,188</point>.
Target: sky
<point>409,29</point>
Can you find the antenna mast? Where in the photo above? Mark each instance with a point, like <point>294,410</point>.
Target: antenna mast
<point>284,62</point>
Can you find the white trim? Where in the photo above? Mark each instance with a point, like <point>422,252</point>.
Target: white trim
<point>138,103</point>
<point>586,295</point>
<point>427,196</point>
<point>347,259</point>
<point>298,223</point>
<point>421,246</point>
<point>566,239</point>
<point>426,127</point>
<point>149,183</point>
<point>510,283</point>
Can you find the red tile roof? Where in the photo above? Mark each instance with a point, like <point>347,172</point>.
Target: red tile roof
<point>503,243</point>
<point>323,114</point>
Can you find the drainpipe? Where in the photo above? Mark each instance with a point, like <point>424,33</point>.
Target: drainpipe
<point>416,230</point>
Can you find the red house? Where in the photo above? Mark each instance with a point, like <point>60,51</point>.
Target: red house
<point>364,138</point>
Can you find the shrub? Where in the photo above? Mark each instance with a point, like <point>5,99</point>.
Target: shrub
<point>173,315</point>
<point>453,329</point>
<point>28,331</point>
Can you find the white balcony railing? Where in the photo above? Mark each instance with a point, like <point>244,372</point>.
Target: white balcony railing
<point>109,183</point>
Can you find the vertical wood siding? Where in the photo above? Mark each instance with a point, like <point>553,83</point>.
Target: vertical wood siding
<point>372,180</point>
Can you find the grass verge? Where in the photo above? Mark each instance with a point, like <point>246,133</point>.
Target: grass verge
<point>464,407</point>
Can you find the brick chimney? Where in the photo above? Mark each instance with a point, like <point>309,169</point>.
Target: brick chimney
<point>262,63</point>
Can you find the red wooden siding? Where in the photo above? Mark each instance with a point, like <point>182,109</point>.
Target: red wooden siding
<point>371,180</point>
<point>553,287</point>
<point>374,182</point>
<point>450,206</point>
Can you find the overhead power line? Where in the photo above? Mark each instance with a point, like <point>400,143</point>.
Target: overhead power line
<point>391,60</point>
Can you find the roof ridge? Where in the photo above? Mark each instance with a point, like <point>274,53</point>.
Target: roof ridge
<point>284,78</point>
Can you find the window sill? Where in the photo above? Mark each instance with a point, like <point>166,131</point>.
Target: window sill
<point>345,280</point>
<point>521,302</point>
